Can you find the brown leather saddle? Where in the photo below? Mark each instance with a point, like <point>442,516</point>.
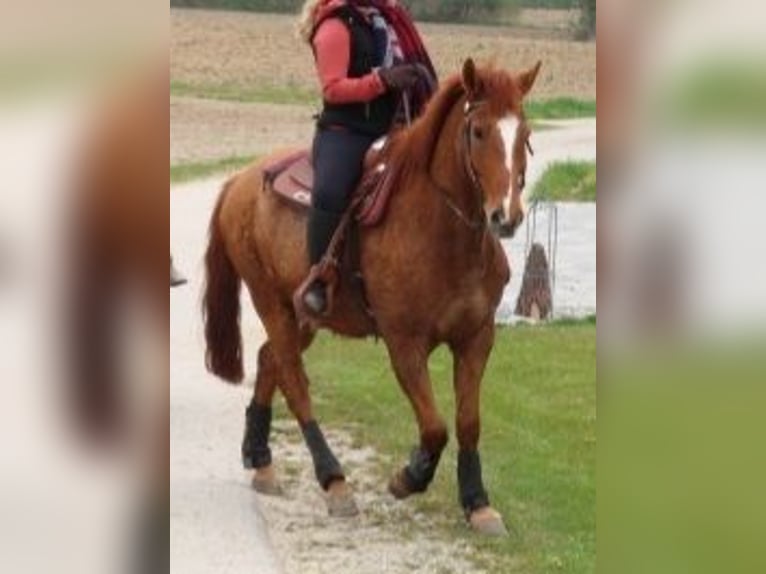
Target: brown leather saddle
<point>292,179</point>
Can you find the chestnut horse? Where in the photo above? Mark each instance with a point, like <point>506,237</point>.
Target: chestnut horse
<point>433,273</point>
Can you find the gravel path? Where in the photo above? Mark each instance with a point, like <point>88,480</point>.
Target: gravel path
<point>216,525</point>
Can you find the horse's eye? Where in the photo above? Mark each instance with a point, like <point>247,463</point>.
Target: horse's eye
<point>478,133</point>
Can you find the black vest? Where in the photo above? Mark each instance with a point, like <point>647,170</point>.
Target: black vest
<point>372,118</point>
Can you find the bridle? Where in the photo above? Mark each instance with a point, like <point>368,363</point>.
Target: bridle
<point>477,189</point>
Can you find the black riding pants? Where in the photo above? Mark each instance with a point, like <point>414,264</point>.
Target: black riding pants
<point>338,157</point>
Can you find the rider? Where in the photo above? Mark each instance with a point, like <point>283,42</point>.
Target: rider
<point>367,53</point>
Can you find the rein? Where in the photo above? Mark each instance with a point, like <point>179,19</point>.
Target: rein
<point>476,187</point>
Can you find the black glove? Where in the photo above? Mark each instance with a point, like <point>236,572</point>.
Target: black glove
<point>401,77</point>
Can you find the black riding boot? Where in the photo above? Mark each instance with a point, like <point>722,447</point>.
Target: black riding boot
<point>321,227</point>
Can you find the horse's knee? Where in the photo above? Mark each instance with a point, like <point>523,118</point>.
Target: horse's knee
<point>295,388</point>
<point>265,358</point>
<point>266,380</point>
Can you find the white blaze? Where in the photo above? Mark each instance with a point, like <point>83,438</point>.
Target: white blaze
<point>509,129</point>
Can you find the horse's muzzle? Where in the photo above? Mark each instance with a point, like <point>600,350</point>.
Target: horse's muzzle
<point>501,226</point>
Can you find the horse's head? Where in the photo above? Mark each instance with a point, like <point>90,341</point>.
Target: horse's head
<point>496,138</point>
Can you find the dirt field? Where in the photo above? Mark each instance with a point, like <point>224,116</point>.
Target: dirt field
<point>209,129</point>
<point>210,47</point>
<point>230,48</point>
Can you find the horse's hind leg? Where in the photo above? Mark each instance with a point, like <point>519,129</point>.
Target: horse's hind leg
<point>287,344</point>
<point>256,454</point>
<point>410,362</point>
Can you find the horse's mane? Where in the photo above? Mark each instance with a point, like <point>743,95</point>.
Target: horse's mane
<point>413,147</point>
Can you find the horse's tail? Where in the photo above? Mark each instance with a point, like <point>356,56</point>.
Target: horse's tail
<point>220,306</point>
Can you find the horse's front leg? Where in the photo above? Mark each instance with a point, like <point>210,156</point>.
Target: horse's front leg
<point>410,361</point>
<point>470,360</point>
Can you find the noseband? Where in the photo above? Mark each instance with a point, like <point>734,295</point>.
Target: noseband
<point>477,188</point>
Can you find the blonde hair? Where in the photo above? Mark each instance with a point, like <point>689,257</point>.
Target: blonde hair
<point>307,19</point>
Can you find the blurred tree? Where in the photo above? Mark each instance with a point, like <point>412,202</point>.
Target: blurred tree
<point>438,10</point>
<point>456,10</point>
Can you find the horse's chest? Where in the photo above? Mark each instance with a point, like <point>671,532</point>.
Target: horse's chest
<point>466,310</point>
<point>427,291</point>
<point>476,295</point>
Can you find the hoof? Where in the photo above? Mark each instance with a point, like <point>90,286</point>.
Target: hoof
<point>340,500</point>
<point>488,522</point>
<point>265,481</point>
<point>397,486</point>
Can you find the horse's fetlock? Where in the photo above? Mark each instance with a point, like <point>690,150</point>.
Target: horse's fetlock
<point>421,469</point>
<point>472,493</point>
<point>326,466</point>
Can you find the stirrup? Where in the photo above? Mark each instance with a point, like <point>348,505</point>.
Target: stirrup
<point>315,298</point>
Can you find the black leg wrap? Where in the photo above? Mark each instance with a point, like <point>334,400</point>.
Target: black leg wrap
<point>255,444</point>
<point>421,469</point>
<point>472,493</point>
<point>326,466</point>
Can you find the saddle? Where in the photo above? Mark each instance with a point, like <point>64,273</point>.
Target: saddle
<point>292,178</point>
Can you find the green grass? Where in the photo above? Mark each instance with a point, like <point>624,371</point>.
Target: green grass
<point>567,181</point>
<point>538,437</point>
<point>262,94</point>
<point>560,108</point>
<point>184,172</point>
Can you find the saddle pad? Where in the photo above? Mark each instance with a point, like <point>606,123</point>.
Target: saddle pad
<point>292,179</point>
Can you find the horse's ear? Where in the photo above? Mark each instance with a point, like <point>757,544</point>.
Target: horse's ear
<point>471,81</point>
<point>527,79</point>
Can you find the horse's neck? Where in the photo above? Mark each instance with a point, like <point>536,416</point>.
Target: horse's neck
<point>446,176</point>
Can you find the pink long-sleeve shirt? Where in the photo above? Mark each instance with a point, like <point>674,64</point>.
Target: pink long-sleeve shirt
<point>332,47</point>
